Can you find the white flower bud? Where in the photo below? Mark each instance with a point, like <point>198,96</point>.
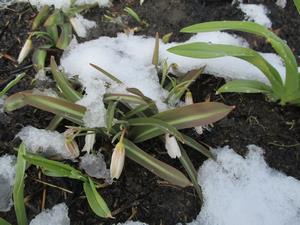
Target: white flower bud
<point>25,50</point>
<point>117,161</point>
<point>172,147</point>
<point>90,139</point>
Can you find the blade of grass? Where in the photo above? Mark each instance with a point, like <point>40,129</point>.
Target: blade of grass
<point>155,57</point>
<point>18,190</point>
<point>11,84</point>
<point>109,75</point>
<point>157,167</point>
<point>96,202</point>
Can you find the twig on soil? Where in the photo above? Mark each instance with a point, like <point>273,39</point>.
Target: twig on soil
<point>52,185</point>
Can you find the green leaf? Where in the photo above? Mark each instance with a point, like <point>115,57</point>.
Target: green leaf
<point>4,222</point>
<point>208,50</point>
<point>11,84</point>
<point>155,57</point>
<point>133,14</point>
<point>159,124</point>
<point>54,122</point>
<point>109,75</point>
<point>183,84</point>
<point>96,202</point>
<point>136,111</point>
<point>125,98</point>
<point>63,83</point>
<point>157,167</point>
<point>199,114</point>
<point>55,168</point>
<point>110,115</point>
<point>65,36</point>
<point>53,33</point>
<point>245,86</point>
<point>280,46</point>
<point>56,18</point>
<point>41,17</point>
<point>18,191</point>
<point>197,146</point>
<point>38,59</point>
<point>61,107</point>
<point>191,171</point>
<point>166,37</point>
<point>297,4</point>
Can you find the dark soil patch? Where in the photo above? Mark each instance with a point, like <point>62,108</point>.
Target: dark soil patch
<point>139,194</point>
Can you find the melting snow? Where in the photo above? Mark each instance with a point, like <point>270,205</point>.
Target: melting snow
<point>245,191</point>
<point>58,215</point>
<point>45,142</point>
<point>94,165</point>
<point>82,25</point>
<point>7,176</point>
<point>256,13</point>
<point>129,59</point>
<point>281,3</point>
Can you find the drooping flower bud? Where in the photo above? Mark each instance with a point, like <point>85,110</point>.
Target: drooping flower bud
<point>172,146</point>
<point>90,139</point>
<point>25,50</point>
<point>70,143</point>
<point>117,160</point>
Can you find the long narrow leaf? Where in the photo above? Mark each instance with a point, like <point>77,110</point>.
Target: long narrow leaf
<point>125,98</point>
<point>65,36</point>
<point>207,50</point>
<point>41,17</point>
<point>109,75</point>
<point>292,78</point>
<point>191,171</point>
<point>4,222</point>
<point>199,114</point>
<point>155,57</point>
<point>63,83</point>
<point>18,191</point>
<point>55,168</point>
<point>297,4</point>
<point>245,86</point>
<point>157,167</point>
<point>110,115</point>
<point>96,202</point>
<point>11,84</point>
<point>161,125</point>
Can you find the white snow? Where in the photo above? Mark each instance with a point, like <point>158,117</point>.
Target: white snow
<point>245,191</point>
<point>7,177</point>
<point>65,4</point>
<point>129,59</point>
<point>256,13</point>
<point>94,165</point>
<point>82,25</point>
<point>58,215</point>
<point>45,142</point>
<point>281,3</point>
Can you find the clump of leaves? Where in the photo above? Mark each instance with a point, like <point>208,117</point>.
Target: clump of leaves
<point>131,118</point>
<point>284,92</point>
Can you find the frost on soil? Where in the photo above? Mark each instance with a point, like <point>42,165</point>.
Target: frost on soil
<point>7,176</point>
<point>45,142</point>
<point>58,215</point>
<point>129,59</point>
<point>246,191</point>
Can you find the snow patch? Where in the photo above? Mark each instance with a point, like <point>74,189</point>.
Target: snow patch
<point>281,3</point>
<point>246,191</point>
<point>94,165</point>
<point>58,215</point>
<point>65,4</point>
<point>129,59</point>
<point>44,142</point>
<point>256,13</point>
<point>7,177</point>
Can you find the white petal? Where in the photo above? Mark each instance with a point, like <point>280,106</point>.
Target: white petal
<point>172,147</point>
<point>90,139</point>
<point>117,162</point>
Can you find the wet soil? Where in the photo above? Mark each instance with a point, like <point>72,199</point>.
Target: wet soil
<point>138,194</point>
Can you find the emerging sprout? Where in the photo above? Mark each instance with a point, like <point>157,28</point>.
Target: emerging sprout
<point>189,101</point>
<point>25,50</point>
<point>172,146</point>
<point>90,139</point>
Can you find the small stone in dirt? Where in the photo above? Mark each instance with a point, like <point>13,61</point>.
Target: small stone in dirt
<point>58,215</point>
<point>94,165</point>
<point>7,176</point>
